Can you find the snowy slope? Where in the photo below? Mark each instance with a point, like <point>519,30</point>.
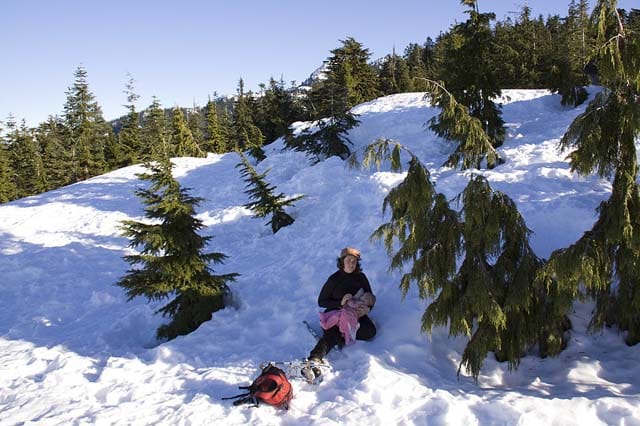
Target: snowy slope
<point>73,351</point>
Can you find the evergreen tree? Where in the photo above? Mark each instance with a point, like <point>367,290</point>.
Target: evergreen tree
<point>328,137</point>
<point>56,161</point>
<point>567,72</point>
<point>456,123</point>
<point>348,76</point>
<point>465,65</point>
<point>86,133</point>
<point>8,190</point>
<point>174,264</point>
<point>490,297</point>
<point>215,136</point>
<point>155,138</point>
<point>30,178</point>
<point>246,134</point>
<point>604,261</point>
<point>182,142</point>
<point>394,75</point>
<point>130,135</point>
<point>277,110</point>
<point>414,56</point>
<point>194,122</point>
<point>265,202</point>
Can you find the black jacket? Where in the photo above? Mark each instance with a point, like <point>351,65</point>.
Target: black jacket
<point>339,284</point>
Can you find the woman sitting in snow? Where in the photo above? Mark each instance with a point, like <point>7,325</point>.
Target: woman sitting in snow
<point>347,299</point>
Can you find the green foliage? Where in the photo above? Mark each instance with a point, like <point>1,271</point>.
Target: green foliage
<point>130,137</point>
<point>155,138</point>
<point>265,201</point>
<point>455,123</point>
<point>350,81</point>
<point>195,124</point>
<point>276,109</point>
<point>216,138</point>
<point>55,161</point>
<point>394,75</point>
<point>29,174</point>
<point>86,133</point>
<point>171,255</point>
<point>333,98</point>
<point>420,60</point>
<point>182,141</point>
<point>8,190</point>
<point>575,42</point>
<point>492,297</point>
<point>464,58</point>
<point>604,261</point>
<point>246,135</point>
<point>327,139</point>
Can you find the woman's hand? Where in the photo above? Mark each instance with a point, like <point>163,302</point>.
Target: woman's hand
<point>346,298</point>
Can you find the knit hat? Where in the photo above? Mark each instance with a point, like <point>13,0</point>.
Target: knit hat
<point>350,251</point>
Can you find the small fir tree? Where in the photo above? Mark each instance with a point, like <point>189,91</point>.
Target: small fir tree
<point>195,124</point>
<point>8,190</point>
<point>30,177</point>
<point>130,135</point>
<point>215,137</point>
<point>182,142</point>
<point>49,137</point>
<point>155,138</point>
<point>86,133</point>
<point>247,136</point>
<point>172,257</point>
<point>265,201</point>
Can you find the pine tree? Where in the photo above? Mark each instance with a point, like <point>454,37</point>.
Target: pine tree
<point>246,134</point>
<point>172,258</point>
<point>605,260</point>
<point>572,48</point>
<point>215,137</point>
<point>182,142</point>
<point>86,133</point>
<point>194,122</point>
<point>30,178</point>
<point>56,161</point>
<point>328,137</point>
<point>394,75</point>
<point>155,138</point>
<point>265,202</point>
<point>465,65</point>
<point>277,110</point>
<point>130,135</point>
<point>348,76</point>
<point>456,123</point>
<point>8,190</point>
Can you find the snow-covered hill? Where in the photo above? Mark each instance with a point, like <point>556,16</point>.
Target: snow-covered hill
<point>73,351</point>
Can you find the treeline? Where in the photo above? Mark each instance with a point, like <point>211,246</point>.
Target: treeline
<point>524,52</point>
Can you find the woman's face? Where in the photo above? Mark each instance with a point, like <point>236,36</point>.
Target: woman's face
<point>350,264</point>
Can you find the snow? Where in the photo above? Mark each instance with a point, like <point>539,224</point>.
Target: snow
<point>74,351</point>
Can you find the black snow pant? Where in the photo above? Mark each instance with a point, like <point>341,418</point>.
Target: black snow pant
<point>333,337</point>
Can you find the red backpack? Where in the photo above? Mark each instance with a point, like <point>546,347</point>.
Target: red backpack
<point>271,387</point>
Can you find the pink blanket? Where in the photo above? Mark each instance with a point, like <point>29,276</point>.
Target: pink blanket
<point>346,319</point>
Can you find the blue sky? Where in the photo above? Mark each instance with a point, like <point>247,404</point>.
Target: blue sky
<point>182,52</point>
